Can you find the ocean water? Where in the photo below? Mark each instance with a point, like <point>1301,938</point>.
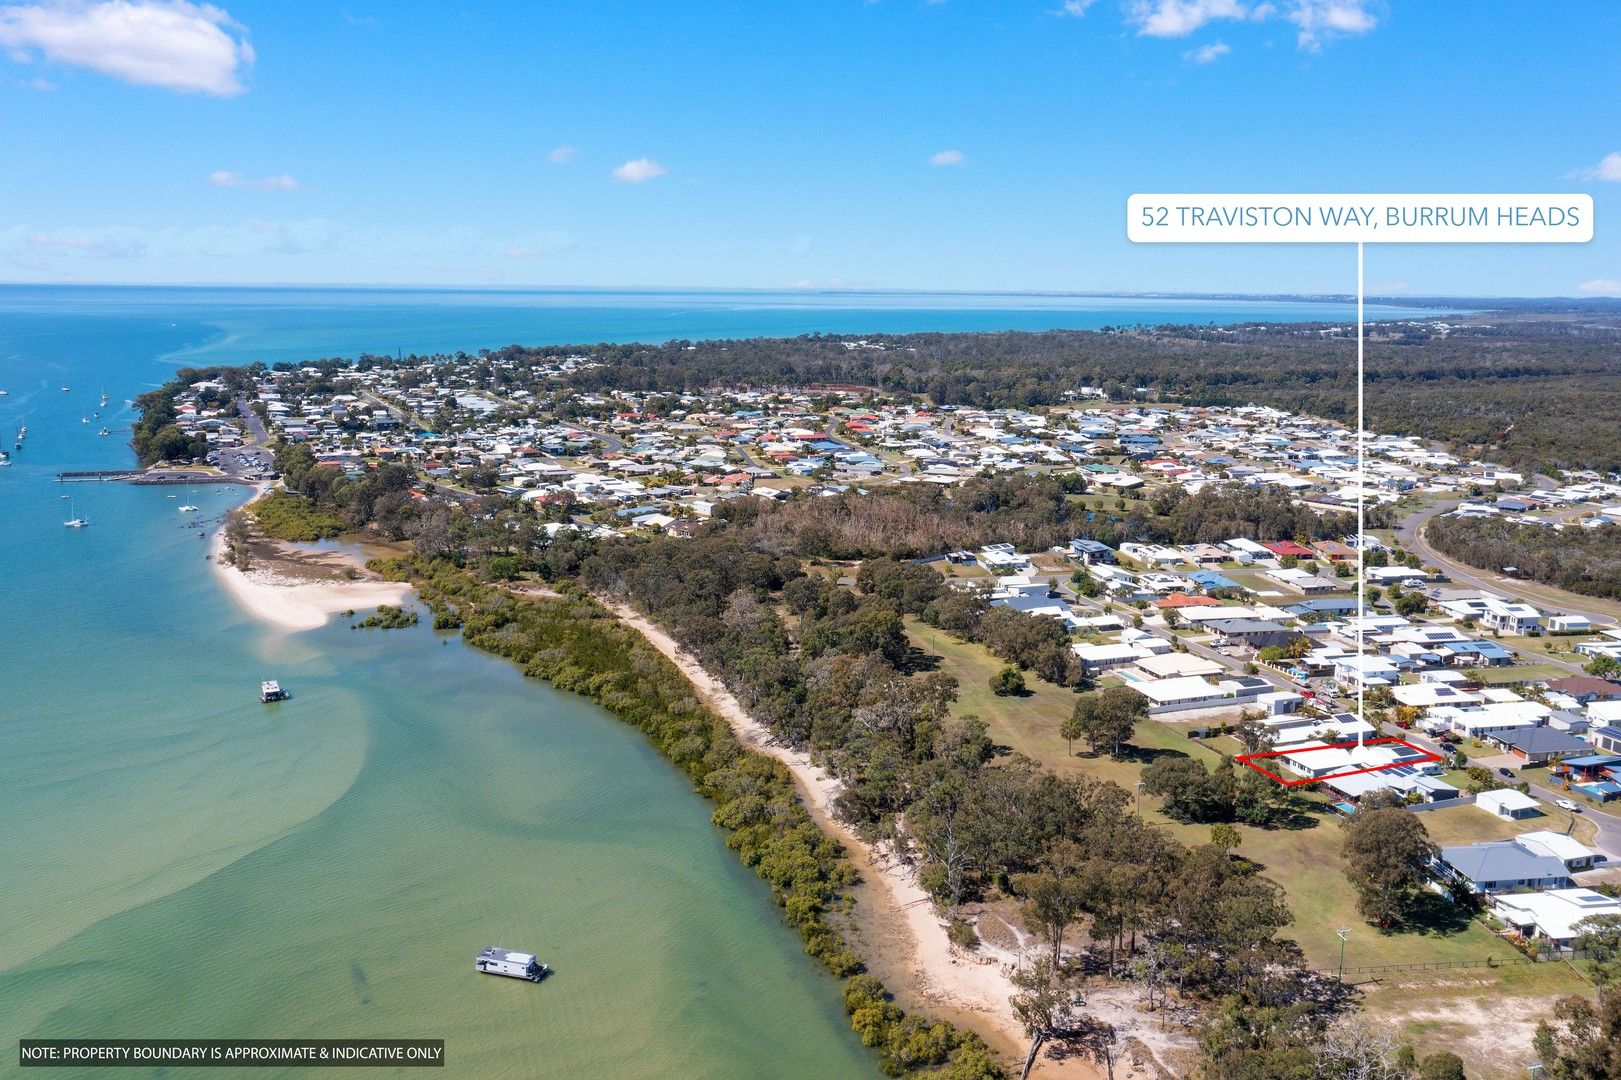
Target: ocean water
<point>180,860</point>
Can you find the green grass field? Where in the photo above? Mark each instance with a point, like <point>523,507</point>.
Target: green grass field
<point>1517,673</point>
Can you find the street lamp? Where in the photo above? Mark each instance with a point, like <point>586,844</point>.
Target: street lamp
<point>1342,935</point>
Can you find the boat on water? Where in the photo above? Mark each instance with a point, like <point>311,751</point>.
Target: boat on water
<point>76,522</point>
<point>188,509</point>
<point>103,431</point>
<point>67,389</point>
<point>270,690</point>
<point>514,965</point>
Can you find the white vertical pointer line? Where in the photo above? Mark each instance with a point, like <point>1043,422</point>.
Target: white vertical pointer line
<point>1361,505</point>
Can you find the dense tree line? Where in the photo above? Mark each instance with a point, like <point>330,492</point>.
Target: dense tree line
<point>1032,511</point>
<point>379,497</point>
<point>1586,561</point>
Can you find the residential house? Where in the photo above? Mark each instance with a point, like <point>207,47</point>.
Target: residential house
<point>1554,915</point>
<point>1539,745</point>
<point>1500,865</point>
<point>1508,803</point>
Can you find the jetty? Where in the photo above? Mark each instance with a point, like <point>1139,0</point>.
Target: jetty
<point>90,475</point>
<point>139,476</point>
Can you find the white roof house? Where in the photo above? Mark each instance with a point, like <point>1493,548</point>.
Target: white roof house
<point>1174,665</point>
<point>1189,692</point>
<point>1507,803</point>
<point>1320,759</point>
<point>1553,914</point>
<point>1102,657</point>
<point>1492,717</point>
<point>1575,855</point>
<point>1429,695</point>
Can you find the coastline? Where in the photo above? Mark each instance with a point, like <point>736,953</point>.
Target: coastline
<point>971,992</point>
<point>297,603</point>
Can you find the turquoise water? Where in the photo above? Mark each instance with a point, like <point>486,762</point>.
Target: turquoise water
<point>178,859</point>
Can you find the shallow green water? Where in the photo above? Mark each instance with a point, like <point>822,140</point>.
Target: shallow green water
<point>177,859</point>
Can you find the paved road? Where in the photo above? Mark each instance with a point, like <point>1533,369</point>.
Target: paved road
<point>253,460</point>
<point>409,419</point>
<point>1410,531</point>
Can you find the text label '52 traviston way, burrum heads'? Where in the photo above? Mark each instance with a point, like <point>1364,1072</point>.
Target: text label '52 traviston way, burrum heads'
<point>1371,219</point>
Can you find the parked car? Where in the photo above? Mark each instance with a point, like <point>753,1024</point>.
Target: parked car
<point>1566,804</point>
<point>1505,772</point>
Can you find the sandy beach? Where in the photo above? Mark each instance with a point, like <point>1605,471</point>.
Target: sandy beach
<point>304,590</point>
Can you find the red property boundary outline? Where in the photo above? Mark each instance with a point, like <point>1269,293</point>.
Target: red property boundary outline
<point>1426,756</point>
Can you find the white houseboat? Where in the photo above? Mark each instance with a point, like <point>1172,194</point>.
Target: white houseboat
<point>514,965</point>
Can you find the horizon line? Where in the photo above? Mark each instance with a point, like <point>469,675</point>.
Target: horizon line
<point>843,290</point>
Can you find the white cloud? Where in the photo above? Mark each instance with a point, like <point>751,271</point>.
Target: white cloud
<point>947,157</point>
<point>190,48</point>
<point>1322,19</point>
<point>1208,54</point>
<point>319,236</point>
<point>561,155</point>
<point>638,171</point>
<point>1600,287</point>
<point>1608,169</point>
<point>543,246</point>
<point>1076,8</point>
<point>126,242</point>
<point>1317,20</point>
<point>1179,18</point>
<point>226,178</point>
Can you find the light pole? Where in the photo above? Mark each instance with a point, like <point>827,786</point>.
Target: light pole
<point>1342,934</point>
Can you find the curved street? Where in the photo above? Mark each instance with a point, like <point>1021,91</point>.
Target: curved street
<point>1410,531</point>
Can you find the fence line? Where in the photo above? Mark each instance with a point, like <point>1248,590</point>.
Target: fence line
<point>1437,965</point>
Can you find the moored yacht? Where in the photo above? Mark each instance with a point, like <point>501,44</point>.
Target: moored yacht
<point>270,690</point>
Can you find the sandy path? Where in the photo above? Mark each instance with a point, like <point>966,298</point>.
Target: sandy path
<point>938,973</point>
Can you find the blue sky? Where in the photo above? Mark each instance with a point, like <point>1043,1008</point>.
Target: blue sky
<point>961,144</point>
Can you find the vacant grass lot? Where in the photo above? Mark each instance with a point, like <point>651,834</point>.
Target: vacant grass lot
<point>1518,673</point>
<point>1305,862</point>
<point>1487,1016</point>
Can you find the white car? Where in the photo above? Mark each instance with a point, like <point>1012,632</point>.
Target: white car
<point>1566,804</point>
